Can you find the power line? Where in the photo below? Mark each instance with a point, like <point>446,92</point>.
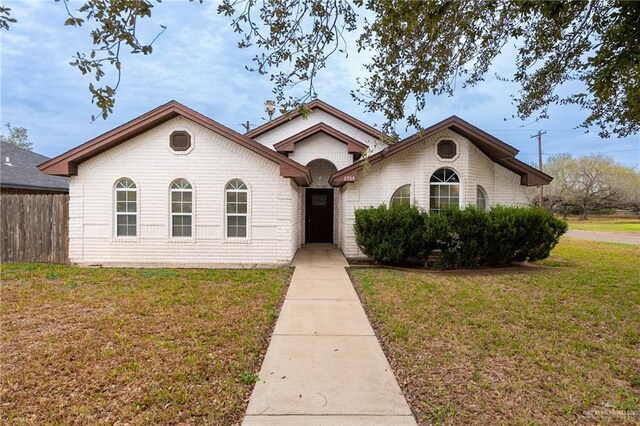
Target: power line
<point>594,152</point>
<point>528,131</point>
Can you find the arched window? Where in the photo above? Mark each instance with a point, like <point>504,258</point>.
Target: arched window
<point>126,208</point>
<point>237,208</point>
<point>481,198</point>
<point>401,196</point>
<point>444,190</point>
<point>181,208</point>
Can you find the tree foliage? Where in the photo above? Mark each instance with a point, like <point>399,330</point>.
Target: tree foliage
<point>5,17</point>
<point>432,47</point>
<point>419,48</point>
<point>17,136</point>
<point>591,183</point>
<point>114,26</point>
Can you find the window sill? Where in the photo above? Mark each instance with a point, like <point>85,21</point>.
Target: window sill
<point>237,240</point>
<point>181,240</point>
<point>125,239</point>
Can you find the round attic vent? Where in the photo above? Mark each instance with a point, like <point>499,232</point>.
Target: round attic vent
<point>180,140</point>
<point>446,149</point>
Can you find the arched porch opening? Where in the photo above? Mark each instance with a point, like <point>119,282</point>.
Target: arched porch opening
<point>320,204</point>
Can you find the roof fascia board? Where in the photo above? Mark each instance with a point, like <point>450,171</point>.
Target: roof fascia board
<point>66,164</point>
<point>288,145</point>
<point>529,175</point>
<point>317,104</point>
<point>33,187</point>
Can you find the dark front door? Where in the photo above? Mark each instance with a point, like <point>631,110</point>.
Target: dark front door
<point>319,216</point>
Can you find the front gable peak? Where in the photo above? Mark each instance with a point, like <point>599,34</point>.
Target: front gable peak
<point>288,145</point>
<point>498,151</point>
<point>317,104</point>
<point>67,164</point>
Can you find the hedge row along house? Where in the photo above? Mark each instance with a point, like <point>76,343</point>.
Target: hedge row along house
<point>174,187</point>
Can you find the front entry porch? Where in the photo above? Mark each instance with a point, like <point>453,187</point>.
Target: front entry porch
<point>319,218</point>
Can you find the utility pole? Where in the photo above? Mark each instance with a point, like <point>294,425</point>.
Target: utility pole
<point>539,136</point>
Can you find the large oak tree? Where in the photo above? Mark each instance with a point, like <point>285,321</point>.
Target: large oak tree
<point>419,49</point>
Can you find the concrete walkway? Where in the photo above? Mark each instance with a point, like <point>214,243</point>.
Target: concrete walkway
<point>324,365</point>
<point>608,237</point>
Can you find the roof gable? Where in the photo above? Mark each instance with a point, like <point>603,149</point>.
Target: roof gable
<point>322,106</point>
<point>353,146</point>
<point>67,164</point>
<point>498,151</point>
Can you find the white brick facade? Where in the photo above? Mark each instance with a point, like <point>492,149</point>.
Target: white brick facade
<point>276,219</point>
<point>415,167</point>
<point>147,160</point>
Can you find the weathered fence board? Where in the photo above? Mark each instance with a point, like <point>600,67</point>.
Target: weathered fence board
<point>34,228</point>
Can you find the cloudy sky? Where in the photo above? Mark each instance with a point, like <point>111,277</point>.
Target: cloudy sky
<point>197,63</point>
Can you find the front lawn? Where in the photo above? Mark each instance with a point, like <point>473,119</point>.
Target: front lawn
<point>142,346</point>
<point>606,223</point>
<point>557,345</point>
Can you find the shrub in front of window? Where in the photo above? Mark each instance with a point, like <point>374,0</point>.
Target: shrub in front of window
<point>444,190</point>
<point>461,235</point>
<point>389,234</point>
<point>465,238</point>
<point>402,195</point>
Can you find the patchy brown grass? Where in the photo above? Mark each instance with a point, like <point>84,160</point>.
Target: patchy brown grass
<point>139,346</point>
<point>558,346</point>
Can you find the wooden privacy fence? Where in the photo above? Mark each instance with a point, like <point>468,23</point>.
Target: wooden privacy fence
<point>34,228</point>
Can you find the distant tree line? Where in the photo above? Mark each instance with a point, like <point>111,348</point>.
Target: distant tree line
<point>582,185</point>
<point>17,136</point>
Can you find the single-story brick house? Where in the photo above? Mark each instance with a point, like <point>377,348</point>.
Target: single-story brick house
<point>174,187</point>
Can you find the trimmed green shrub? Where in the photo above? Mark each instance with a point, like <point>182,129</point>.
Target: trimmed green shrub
<point>502,234</point>
<point>465,238</point>
<point>461,235</point>
<point>537,233</point>
<point>390,234</point>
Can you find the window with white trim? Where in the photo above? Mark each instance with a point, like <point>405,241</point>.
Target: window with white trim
<point>126,208</point>
<point>181,208</point>
<point>237,208</point>
<point>401,196</point>
<point>444,190</point>
<point>481,198</point>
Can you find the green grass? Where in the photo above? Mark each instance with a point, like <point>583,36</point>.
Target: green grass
<point>604,223</point>
<point>558,345</point>
<point>141,346</point>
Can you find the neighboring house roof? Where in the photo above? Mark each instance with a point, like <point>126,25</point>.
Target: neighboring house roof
<point>353,146</point>
<point>498,151</point>
<point>313,105</point>
<point>67,164</point>
<point>19,170</point>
